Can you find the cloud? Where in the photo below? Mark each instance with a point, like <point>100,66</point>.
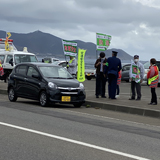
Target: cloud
<point>133,24</point>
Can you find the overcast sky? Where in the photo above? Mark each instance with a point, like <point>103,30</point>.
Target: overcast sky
<point>133,24</point>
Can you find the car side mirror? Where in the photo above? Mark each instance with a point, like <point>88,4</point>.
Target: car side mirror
<point>35,76</point>
<point>11,62</point>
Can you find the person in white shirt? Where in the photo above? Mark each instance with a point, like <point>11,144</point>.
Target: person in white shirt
<point>136,75</point>
<point>72,66</point>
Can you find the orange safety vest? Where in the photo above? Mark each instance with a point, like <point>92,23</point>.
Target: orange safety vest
<point>119,77</point>
<point>153,82</point>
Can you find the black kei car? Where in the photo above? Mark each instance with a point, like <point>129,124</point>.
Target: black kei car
<point>46,83</point>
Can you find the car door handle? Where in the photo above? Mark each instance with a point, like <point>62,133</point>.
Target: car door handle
<point>25,79</point>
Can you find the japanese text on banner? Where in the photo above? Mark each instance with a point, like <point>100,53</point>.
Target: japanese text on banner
<point>81,65</point>
<point>70,48</point>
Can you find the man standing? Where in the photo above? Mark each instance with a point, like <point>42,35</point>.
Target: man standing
<point>113,66</point>
<point>72,66</point>
<point>136,76</point>
<point>100,79</point>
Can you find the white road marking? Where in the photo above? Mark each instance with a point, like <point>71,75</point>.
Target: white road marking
<point>74,141</point>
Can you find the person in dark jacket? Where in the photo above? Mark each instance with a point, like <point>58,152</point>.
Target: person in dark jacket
<point>113,66</point>
<point>100,79</point>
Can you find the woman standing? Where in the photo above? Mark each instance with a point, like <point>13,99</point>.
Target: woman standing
<point>153,77</point>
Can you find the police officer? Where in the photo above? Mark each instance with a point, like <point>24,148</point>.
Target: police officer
<point>72,66</point>
<point>113,66</point>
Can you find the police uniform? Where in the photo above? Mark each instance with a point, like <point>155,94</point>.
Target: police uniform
<point>113,66</point>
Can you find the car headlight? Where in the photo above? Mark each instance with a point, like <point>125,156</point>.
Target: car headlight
<point>52,85</point>
<point>81,86</point>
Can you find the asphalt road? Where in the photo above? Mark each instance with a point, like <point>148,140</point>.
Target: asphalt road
<point>28,131</point>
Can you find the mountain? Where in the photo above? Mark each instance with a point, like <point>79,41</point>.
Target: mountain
<point>45,44</point>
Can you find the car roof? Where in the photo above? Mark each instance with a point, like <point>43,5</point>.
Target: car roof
<point>4,52</point>
<point>38,64</point>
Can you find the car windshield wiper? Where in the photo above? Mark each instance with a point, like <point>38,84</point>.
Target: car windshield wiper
<point>57,77</point>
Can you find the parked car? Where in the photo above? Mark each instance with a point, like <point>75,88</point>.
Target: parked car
<point>50,60</point>
<point>46,83</point>
<point>13,57</point>
<point>90,73</point>
<point>60,63</point>
<point>125,72</point>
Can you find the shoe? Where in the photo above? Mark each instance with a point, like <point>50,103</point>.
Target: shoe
<point>131,98</point>
<point>138,99</point>
<point>154,103</point>
<point>150,103</point>
<point>97,96</point>
<point>103,96</point>
<point>117,96</point>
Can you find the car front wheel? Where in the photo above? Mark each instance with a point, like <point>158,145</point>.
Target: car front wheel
<point>43,99</point>
<point>12,95</point>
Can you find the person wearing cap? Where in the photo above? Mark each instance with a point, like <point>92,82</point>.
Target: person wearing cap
<point>153,78</point>
<point>136,75</point>
<point>113,66</point>
<point>72,66</point>
<point>100,79</point>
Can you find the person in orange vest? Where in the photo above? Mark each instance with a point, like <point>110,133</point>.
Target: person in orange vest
<point>119,82</point>
<point>1,69</point>
<point>153,78</point>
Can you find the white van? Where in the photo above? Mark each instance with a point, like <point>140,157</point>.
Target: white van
<point>12,57</point>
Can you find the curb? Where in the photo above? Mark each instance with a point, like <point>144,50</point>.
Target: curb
<point>3,92</point>
<point>118,108</point>
<point>125,109</point>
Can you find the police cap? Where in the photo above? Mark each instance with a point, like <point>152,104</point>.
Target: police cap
<point>115,53</point>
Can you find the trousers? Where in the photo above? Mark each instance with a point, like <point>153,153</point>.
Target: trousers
<point>154,96</point>
<point>118,89</point>
<point>136,86</point>
<point>100,84</point>
<point>112,85</point>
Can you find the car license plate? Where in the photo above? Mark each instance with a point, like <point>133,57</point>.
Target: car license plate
<point>88,74</point>
<point>66,99</point>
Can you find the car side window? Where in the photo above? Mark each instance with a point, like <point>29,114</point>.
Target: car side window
<point>9,57</point>
<point>32,71</point>
<point>21,70</point>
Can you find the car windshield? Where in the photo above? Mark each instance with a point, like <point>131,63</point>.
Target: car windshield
<point>146,65</point>
<point>55,72</point>
<point>2,58</point>
<point>19,58</point>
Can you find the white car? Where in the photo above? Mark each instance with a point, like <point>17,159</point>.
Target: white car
<point>50,60</point>
<point>90,73</point>
<point>9,59</point>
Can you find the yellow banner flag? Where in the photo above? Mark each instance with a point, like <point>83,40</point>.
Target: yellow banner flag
<point>81,65</point>
<point>6,41</point>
